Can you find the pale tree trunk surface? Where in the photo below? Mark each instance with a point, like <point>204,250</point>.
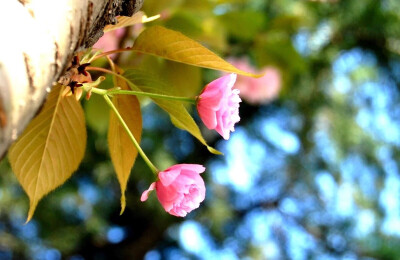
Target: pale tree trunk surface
<point>38,41</point>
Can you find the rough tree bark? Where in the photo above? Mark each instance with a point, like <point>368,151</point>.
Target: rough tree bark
<point>39,39</point>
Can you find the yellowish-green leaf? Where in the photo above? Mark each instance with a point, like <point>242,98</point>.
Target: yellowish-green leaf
<point>51,148</point>
<point>175,46</point>
<point>145,81</point>
<point>189,85</point>
<point>122,151</point>
<point>124,21</point>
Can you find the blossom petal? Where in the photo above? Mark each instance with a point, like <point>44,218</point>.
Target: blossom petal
<point>208,116</point>
<point>193,167</point>
<point>145,194</point>
<point>169,175</point>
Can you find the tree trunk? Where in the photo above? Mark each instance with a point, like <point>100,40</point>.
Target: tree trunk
<point>39,40</point>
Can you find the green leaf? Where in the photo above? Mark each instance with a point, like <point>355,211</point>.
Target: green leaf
<point>140,80</point>
<point>187,86</point>
<point>175,46</point>
<point>122,151</point>
<point>51,148</point>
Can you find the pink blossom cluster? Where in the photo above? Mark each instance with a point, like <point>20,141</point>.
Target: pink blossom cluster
<point>180,189</point>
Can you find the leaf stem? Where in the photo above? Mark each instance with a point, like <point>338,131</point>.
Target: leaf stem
<point>147,94</point>
<point>138,93</point>
<point>133,139</point>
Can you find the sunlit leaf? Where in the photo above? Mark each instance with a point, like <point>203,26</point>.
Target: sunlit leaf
<point>173,45</point>
<point>124,21</point>
<point>51,148</point>
<point>147,82</point>
<point>122,151</point>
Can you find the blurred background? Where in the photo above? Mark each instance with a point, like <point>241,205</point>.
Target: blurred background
<point>311,172</point>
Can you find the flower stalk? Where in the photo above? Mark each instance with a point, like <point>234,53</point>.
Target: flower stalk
<point>138,93</point>
<point>147,94</point>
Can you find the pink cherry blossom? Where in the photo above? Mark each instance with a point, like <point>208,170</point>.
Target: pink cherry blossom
<point>257,90</point>
<point>218,105</point>
<point>180,189</point>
